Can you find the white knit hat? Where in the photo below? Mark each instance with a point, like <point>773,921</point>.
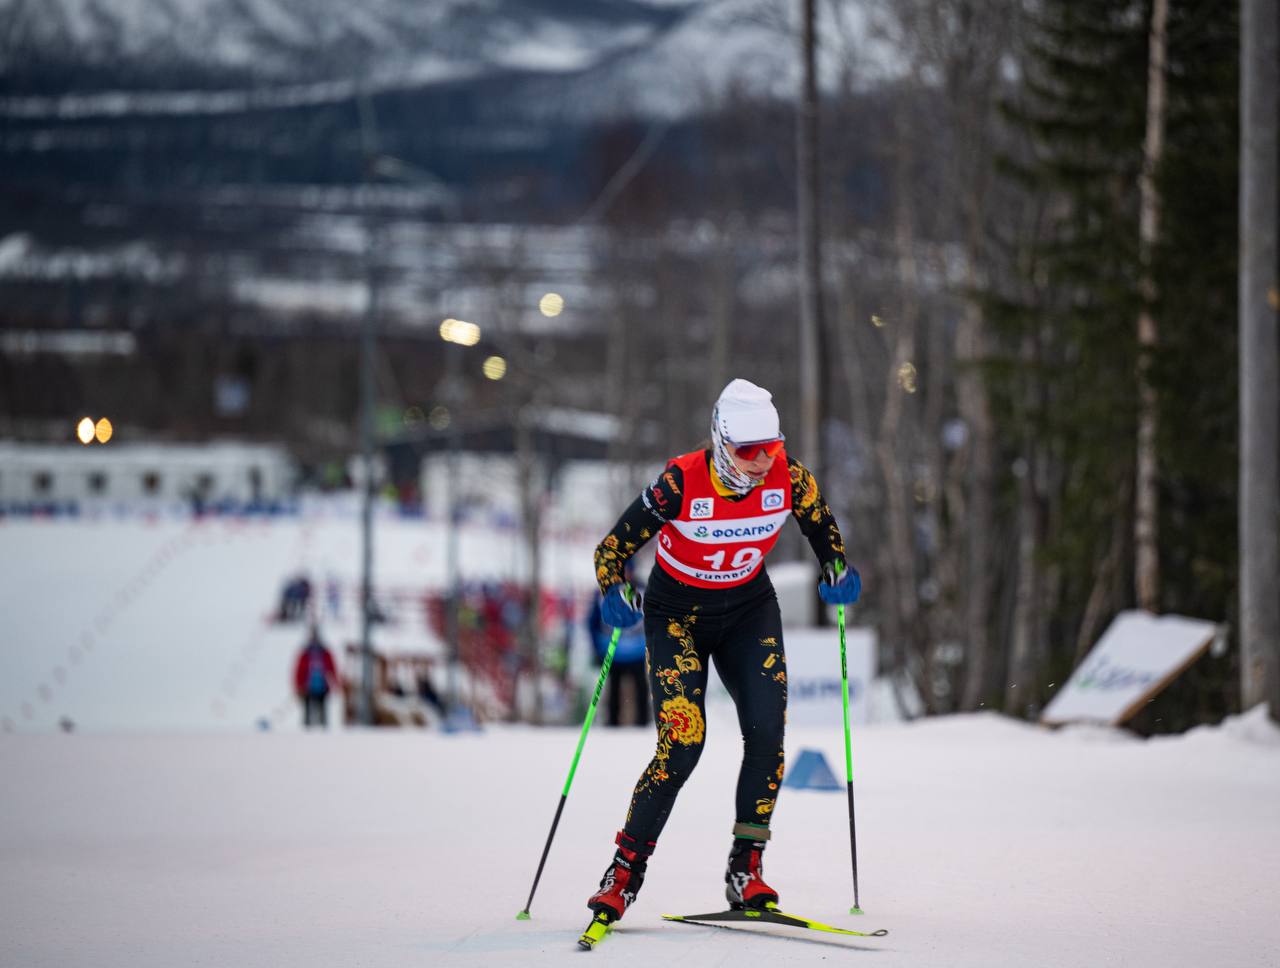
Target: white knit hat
<point>745,413</point>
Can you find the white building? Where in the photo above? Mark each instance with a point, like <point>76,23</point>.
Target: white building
<point>73,474</point>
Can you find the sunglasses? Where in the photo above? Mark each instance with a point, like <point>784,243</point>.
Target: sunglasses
<point>758,448</point>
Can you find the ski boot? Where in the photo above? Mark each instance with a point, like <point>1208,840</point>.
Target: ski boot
<point>744,879</point>
<point>618,887</point>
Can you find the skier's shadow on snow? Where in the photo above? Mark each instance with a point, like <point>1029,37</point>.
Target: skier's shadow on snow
<point>757,933</point>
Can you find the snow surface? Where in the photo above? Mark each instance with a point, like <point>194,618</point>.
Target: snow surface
<point>981,842</point>
<point>158,622</point>
<point>167,831</point>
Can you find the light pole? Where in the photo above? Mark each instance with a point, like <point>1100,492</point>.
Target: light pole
<point>810,236</point>
<point>368,337</point>
<point>376,165</point>
<point>368,347</point>
<point>458,334</point>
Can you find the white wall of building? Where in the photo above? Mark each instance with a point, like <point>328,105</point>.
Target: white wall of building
<point>141,473</point>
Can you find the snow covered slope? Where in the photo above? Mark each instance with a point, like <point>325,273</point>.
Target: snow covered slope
<point>982,843</point>
<point>192,839</point>
<point>298,40</point>
<point>576,59</point>
<point>725,48</point>
<point>164,623</point>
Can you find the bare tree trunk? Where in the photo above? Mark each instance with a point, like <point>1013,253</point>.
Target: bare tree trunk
<point>964,43</point>
<point>722,297</point>
<point>675,374</point>
<point>975,409</point>
<point>1102,592</point>
<point>531,492</point>
<point>1259,346</point>
<point>1024,650</point>
<point>854,368</point>
<point>901,586</point>
<point>974,405</point>
<point>619,383</point>
<point>1147,511</point>
<point>900,384</point>
<point>863,515</point>
<point>930,493</point>
<point>810,250</point>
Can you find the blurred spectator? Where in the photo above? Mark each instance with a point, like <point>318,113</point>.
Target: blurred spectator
<point>559,614</point>
<point>426,688</point>
<point>313,677</point>
<point>628,662</point>
<point>294,598</point>
<point>492,635</point>
<point>333,596</point>
<point>376,613</point>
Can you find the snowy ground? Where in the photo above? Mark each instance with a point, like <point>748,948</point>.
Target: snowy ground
<point>164,623</point>
<point>982,842</point>
<point>167,831</point>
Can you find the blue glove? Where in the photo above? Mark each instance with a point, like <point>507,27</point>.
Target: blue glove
<point>621,606</point>
<point>840,589</point>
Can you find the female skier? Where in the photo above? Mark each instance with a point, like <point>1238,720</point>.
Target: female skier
<point>716,513</point>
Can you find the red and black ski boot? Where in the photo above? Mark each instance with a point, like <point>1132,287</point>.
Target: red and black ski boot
<point>744,880</point>
<point>622,880</point>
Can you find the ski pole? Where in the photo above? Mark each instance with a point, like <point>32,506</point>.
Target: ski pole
<point>848,754</point>
<point>591,714</point>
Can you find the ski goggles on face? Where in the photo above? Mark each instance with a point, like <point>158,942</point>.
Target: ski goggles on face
<point>756,449</point>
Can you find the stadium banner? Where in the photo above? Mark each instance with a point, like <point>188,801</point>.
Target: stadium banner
<point>812,673</point>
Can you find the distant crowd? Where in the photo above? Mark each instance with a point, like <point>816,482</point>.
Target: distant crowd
<point>492,623</point>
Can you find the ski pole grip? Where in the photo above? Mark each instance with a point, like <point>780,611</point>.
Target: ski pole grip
<point>632,596</point>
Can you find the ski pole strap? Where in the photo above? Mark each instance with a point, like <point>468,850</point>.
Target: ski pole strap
<point>752,831</point>
<point>632,596</point>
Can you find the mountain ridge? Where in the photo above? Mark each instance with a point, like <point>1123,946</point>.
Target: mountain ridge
<point>576,60</point>
<point>145,45</point>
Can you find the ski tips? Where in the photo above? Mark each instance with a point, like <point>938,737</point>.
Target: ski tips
<point>769,914</point>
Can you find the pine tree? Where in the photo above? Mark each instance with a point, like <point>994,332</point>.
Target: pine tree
<point>1065,381</point>
<point>1065,322</point>
<point>1195,371</point>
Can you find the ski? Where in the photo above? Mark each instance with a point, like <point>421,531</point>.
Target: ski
<point>770,915</point>
<point>595,932</point>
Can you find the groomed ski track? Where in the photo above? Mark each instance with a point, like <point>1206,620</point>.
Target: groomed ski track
<point>982,842</point>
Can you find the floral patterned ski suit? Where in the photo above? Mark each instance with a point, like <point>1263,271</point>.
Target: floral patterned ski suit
<point>687,629</point>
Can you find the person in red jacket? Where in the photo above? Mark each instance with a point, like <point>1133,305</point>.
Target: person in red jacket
<point>716,513</point>
<point>313,676</point>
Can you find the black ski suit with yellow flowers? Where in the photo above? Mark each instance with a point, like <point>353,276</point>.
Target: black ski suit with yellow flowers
<point>686,627</point>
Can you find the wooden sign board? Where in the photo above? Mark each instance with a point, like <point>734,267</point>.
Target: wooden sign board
<point>1135,659</point>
